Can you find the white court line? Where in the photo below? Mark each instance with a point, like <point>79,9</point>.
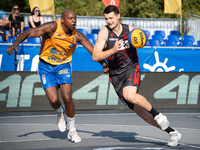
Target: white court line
<point>50,124</point>
<point>165,141</point>
<point>32,140</point>
<point>111,114</point>
<point>27,124</point>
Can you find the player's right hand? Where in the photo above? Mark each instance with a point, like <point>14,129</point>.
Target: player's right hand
<point>119,45</point>
<point>11,48</point>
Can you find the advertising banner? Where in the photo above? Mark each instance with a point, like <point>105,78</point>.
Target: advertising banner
<point>161,59</point>
<point>46,6</point>
<point>173,7</point>
<point>22,91</point>
<point>169,59</point>
<point>111,2</point>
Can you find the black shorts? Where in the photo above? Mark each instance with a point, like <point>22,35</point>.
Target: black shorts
<point>129,78</point>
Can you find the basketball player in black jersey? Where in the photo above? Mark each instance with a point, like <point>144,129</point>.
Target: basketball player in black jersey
<point>124,72</point>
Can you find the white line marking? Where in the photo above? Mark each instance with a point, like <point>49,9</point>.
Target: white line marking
<point>27,124</point>
<point>115,114</point>
<point>165,141</point>
<point>115,148</point>
<point>14,141</point>
<point>50,124</point>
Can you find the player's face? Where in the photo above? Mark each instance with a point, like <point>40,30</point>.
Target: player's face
<point>112,19</point>
<point>69,21</point>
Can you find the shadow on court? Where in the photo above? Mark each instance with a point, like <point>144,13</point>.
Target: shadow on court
<point>55,134</point>
<point>99,131</point>
<point>121,136</point>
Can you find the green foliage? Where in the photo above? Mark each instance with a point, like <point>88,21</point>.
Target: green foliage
<point>81,8</point>
<point>6,5</point>
<point>128,8</point>
<point>145,9</point>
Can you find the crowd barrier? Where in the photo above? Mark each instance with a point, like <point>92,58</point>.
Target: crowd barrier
<point>97,22</point>
<point>151,59</point>
<point>22,91</point>
<point>192,26</point>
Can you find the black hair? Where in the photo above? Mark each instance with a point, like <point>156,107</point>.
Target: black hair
<point>111,8</point>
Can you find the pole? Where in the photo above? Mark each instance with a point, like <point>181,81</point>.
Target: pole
<point>16,29</point>
<point>181,23</point>
<point>15,51</point>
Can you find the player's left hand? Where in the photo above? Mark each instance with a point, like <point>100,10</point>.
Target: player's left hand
<point>106,69</point>
<point>11,48</point>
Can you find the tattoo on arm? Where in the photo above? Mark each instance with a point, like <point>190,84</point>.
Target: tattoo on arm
<point>20,38</point>
<point>34,33</point>
<point>50,27</point>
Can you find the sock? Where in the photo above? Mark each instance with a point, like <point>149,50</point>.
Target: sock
<point>169,129</point>
<point>60,109</point>
<point>71,123</point>
<point>153,112</point>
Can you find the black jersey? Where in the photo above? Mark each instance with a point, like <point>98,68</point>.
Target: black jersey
<point>123,60</point>
<point>17,22</point>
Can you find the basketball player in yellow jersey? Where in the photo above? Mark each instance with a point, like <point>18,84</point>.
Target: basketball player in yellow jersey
<point>58,44</point>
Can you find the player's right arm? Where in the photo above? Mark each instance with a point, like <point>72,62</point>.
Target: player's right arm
<point>98,53</point>
<point>47,28</point>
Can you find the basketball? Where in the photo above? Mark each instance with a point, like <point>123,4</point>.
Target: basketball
<point>137,38</point>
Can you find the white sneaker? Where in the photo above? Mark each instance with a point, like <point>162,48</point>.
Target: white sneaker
<point>162,121</point>
<point>61,122</point>
<point>73,136</point>
<point>175,136</point>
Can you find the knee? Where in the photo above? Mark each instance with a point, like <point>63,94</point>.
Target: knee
<point>67,99</point>
<point>131,97</point>
<point>54,100</point>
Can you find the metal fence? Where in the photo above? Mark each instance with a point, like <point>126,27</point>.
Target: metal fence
<point>151,24</point>
<point>192,26</point>
<point>95,22</point>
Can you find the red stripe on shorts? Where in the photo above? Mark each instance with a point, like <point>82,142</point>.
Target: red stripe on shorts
<point>137,75</point>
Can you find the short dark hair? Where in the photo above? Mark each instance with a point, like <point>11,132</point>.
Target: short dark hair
<point>111,8</point>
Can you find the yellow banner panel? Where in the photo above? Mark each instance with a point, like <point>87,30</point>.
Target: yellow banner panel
<point>46,6</point>
<point>173,7</point>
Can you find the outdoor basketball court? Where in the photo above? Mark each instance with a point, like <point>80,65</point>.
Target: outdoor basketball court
<point>99,130</point>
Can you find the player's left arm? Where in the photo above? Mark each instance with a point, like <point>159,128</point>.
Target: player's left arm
<point>81,38</point>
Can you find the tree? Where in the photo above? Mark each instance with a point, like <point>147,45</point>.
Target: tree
<point>6,5</point>
<point>81,8</point>
<point>128,8</point>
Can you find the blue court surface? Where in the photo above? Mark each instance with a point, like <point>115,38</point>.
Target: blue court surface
<point>99,130</point>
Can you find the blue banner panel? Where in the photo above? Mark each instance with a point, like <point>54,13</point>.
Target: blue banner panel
<point>157,59</point>
<point>82,61</point>
<point>27,58</point>
<point>169,59</point>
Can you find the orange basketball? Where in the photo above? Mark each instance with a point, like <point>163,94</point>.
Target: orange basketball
<point>137,38</point>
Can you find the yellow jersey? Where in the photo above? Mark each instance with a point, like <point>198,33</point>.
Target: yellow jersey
<point>59,48</point>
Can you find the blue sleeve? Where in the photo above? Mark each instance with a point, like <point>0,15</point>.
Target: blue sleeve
<point>2,14</point>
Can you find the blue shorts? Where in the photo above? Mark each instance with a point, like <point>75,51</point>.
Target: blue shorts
<point>54,75</point>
